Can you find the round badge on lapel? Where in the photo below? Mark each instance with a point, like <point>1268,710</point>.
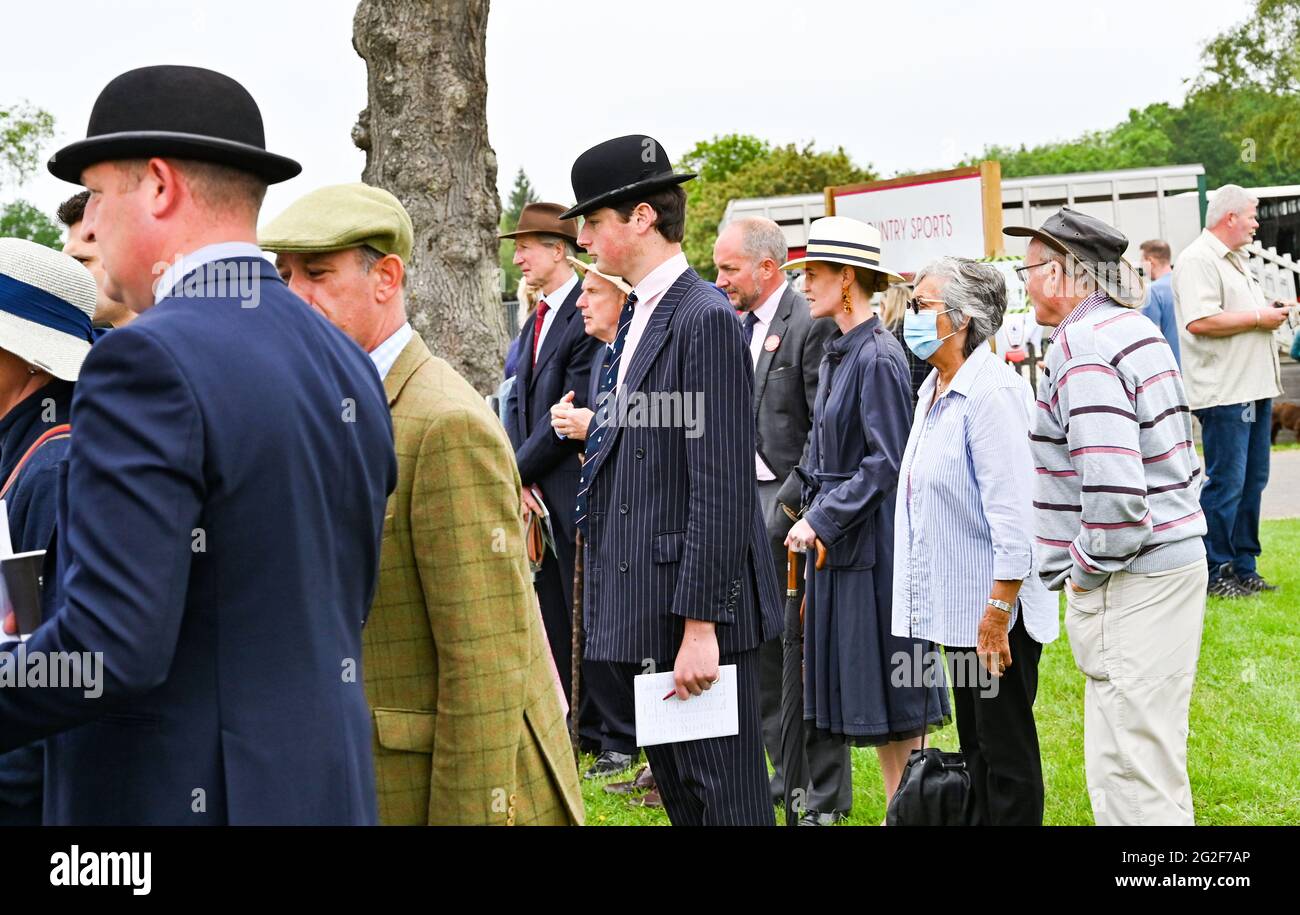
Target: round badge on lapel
<point>771,343</point>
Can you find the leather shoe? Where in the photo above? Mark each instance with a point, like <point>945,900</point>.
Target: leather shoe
<point>644,781</point>
<point>813,818</point>
<point>649,799</point>
<point>609,763</point>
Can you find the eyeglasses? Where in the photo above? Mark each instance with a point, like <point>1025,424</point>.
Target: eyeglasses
<point>915,301</point>
<point>1025,268</point>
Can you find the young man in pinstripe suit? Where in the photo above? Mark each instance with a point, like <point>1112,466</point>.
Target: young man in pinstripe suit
<point>675,543</point>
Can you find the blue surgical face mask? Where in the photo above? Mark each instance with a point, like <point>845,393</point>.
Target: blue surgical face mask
<point>921,332</point>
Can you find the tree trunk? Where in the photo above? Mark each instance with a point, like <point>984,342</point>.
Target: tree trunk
<point>425,135</point>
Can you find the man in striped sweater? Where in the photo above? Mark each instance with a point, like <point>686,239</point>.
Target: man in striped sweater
<point>1118,521</point>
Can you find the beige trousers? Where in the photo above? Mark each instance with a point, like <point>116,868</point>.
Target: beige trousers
<point>1137,639</point>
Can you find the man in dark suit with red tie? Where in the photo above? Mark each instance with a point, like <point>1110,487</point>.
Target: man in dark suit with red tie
<point>678,574</point>
<point>555,358</point>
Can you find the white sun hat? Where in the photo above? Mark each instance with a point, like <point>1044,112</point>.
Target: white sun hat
<point>47,300</point>
<point>841,240</point>
<point>616,281</point>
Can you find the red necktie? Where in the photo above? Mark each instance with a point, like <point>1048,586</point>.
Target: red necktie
<point>542,309</point>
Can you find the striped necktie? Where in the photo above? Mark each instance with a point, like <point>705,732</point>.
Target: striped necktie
<point>600,420</point>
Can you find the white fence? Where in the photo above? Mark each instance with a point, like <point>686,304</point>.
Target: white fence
<point>1280,277</point>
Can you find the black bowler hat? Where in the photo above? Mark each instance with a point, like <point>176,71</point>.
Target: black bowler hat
<point>619,169</point>
<point>1096,246</point>
<point>185,112</point>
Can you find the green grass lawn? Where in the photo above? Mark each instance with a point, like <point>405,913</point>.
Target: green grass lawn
<point>1244,721</point>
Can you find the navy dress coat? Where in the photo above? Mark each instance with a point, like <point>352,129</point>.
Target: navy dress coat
<point>30,504</point>
<point>861,420</point>
<point>219,522</point>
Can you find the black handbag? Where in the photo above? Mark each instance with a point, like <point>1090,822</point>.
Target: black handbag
<point>935,788</point>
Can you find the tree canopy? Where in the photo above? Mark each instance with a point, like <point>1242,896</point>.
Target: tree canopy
<point>24,131</point>
<point>522,194</point>
<point>1240,119</point>
<point>737,166</point>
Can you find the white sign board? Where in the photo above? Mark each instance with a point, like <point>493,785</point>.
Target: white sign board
<point>922,221</point>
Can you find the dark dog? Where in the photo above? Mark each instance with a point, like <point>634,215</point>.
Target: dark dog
<point>1286,416</point>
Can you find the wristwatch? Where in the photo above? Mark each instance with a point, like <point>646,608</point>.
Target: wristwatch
<point>999,605</point>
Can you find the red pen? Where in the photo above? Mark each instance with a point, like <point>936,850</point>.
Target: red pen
<point>670,695</point>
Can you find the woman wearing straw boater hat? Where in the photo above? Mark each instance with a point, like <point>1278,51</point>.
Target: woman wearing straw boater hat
<point>860,426</point>
<point>46,302</point>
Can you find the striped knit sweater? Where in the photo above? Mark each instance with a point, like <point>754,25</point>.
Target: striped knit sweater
<point>1118,480</point>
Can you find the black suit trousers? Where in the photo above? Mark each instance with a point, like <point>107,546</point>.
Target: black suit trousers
<point>997,733</point>
<point>721,781</point>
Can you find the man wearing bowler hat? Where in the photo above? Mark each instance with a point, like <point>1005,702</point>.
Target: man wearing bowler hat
<point>244,446</point>
<point>678,573</point>
<point>555,358</point>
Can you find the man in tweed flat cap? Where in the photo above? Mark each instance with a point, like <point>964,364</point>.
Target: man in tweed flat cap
<point>468,723</point>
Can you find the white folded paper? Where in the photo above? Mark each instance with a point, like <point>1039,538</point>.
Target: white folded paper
<point>714,713</point>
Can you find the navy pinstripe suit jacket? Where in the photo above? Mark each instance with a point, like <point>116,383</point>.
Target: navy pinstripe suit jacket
<point>674,528</point>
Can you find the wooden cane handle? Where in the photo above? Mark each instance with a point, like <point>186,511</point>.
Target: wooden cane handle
<point>791,571</point>
<point>821,554</point>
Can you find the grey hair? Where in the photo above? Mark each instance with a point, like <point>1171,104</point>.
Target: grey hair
<point>975,291</point>
<point>371,255</point>
<point>1231,198</point>
<point>570,249</point>
<point>761,238</point>
<point>1079,283</point>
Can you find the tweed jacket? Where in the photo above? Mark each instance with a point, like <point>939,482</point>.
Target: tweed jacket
<point>468,725</point>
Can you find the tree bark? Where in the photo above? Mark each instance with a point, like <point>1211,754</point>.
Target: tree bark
<point>424,132</point>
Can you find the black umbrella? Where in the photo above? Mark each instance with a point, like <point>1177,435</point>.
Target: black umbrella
<point>794,761</point>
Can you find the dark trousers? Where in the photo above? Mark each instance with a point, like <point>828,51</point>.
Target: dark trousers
<point>829,763</point>
<point>721,781</point>
<point>557,618</point>
<point>997,733</point>
<point>1236,442</point>
<point>614,710</point>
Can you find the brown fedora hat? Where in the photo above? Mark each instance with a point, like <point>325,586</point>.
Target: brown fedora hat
<point>544,219</point>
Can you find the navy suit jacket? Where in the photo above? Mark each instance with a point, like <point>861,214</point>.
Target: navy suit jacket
<point>563,365</point>
<point>674,527</point>
<point>219,525</point>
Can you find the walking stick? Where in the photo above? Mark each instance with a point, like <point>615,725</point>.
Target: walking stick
<point>575,625</point>
<point>575,661</point>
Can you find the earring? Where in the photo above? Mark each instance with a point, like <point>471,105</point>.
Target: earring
<point>845,301</point>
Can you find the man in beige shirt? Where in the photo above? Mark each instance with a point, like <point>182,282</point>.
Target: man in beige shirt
<point>1231,373</point>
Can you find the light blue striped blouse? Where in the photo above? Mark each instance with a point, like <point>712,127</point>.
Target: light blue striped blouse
<point>964,515</point>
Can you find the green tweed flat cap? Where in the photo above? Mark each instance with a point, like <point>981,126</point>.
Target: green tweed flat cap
<point>341,216</point>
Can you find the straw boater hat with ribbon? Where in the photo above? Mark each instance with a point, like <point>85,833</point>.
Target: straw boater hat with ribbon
<point>1093,245</point>
<point>617,282</point>
<point>841,240</point>
<point>46,302</point>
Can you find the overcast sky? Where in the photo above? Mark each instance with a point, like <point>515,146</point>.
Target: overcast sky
<point>901,86</point>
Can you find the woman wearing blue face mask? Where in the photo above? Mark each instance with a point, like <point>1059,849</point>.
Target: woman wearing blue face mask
<point>854,690</point>
<point>964,571</point>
